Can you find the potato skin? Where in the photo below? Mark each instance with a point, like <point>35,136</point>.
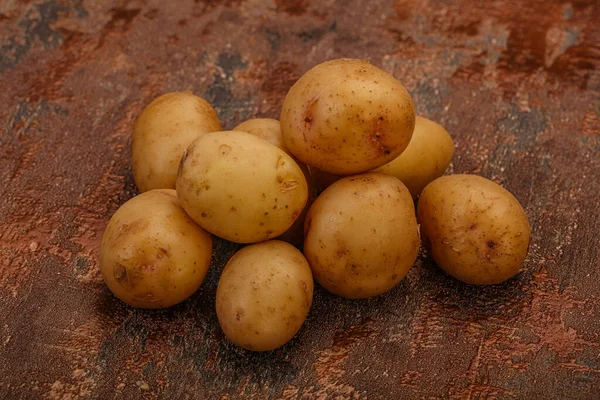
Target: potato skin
<point>426,158</point>
<point>361,235</point>
<point>264,295</point>
<point>347,116</point>
<point>474,229</point>
<point>162,132</point>
<point>270,130</point>
<point>152,254</point>
<point>239,187</point>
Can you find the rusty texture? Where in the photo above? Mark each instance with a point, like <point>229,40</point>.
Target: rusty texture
<point>517,84</point>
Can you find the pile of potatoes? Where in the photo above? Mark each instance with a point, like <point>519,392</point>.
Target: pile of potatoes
<point>347,132</point>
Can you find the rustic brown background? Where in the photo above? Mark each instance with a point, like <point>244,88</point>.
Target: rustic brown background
<point>516,83</point>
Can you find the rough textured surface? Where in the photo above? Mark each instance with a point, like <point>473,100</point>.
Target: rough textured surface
<point>518,87</point>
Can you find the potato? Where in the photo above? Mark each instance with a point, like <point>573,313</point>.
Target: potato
<point>152,254</point>
<point>361,235</point>
<point>240,187</point>
<point>270,130</point>
<point>265,128</point>
<point>427,156</point>
<point>347,116</point>
<point>264,295</point>
<point>474,229</point>
<point>162,132</point>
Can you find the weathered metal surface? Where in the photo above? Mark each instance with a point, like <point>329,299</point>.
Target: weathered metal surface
<point>516,83</point>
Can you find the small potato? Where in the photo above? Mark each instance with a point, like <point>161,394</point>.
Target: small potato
<point>270,130</point>
<point>361,235</point>
<point>427,156</point>
<point>347,116</point>
<point>161,134</point>
<point>264,295</point>
<point>265,128</point>
<point>474,229</point>
<point>240,187</point>
<point>152,254</point>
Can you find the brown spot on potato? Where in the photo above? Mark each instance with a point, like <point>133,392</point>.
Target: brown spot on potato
<point>224,149</point>
<point>121,276</point>
<point>239,315</point>
<point>491,244</point>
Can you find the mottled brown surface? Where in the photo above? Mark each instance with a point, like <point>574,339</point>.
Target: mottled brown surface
<point>518,87</point>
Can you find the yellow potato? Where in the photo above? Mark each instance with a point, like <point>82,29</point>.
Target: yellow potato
<point>427,156</point>
<point>162,132</point>
<point>347,116</point>
<point>361,235</point>
<point>474,229</point>
<point>240,187</point>
<point>152,254</point>
<point>270,130</point>
<point>264,295</point>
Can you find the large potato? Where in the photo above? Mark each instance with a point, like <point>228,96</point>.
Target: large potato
<point>270,130</point>
<point>347,116</point>
<point>152,254</point>
<point>361,235</point>
<point>427,156</point>
<point>474,229</point>
<point>162,132</point>
<point>264,295</point>
<point>240,187</point>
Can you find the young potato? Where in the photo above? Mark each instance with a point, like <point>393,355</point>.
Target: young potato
<point>427,156</point>
<point>265,128</point>
<point>162,132</point>
<point>270,130</point>
<point>347,116</point>
<point>264,295</point>
<point>361,235</point>
<point>240,187</point>
<point>152,254</point>
<point>474,229</point>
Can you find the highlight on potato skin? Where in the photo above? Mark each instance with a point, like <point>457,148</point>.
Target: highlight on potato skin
<point>361,235</point>
<point>152,254</point>
<point>264,295</point>
<point>347,116</point>
<point>162,132</point>
<point>427,157</point>
<point>241,188</point>
<point>474,229</point>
